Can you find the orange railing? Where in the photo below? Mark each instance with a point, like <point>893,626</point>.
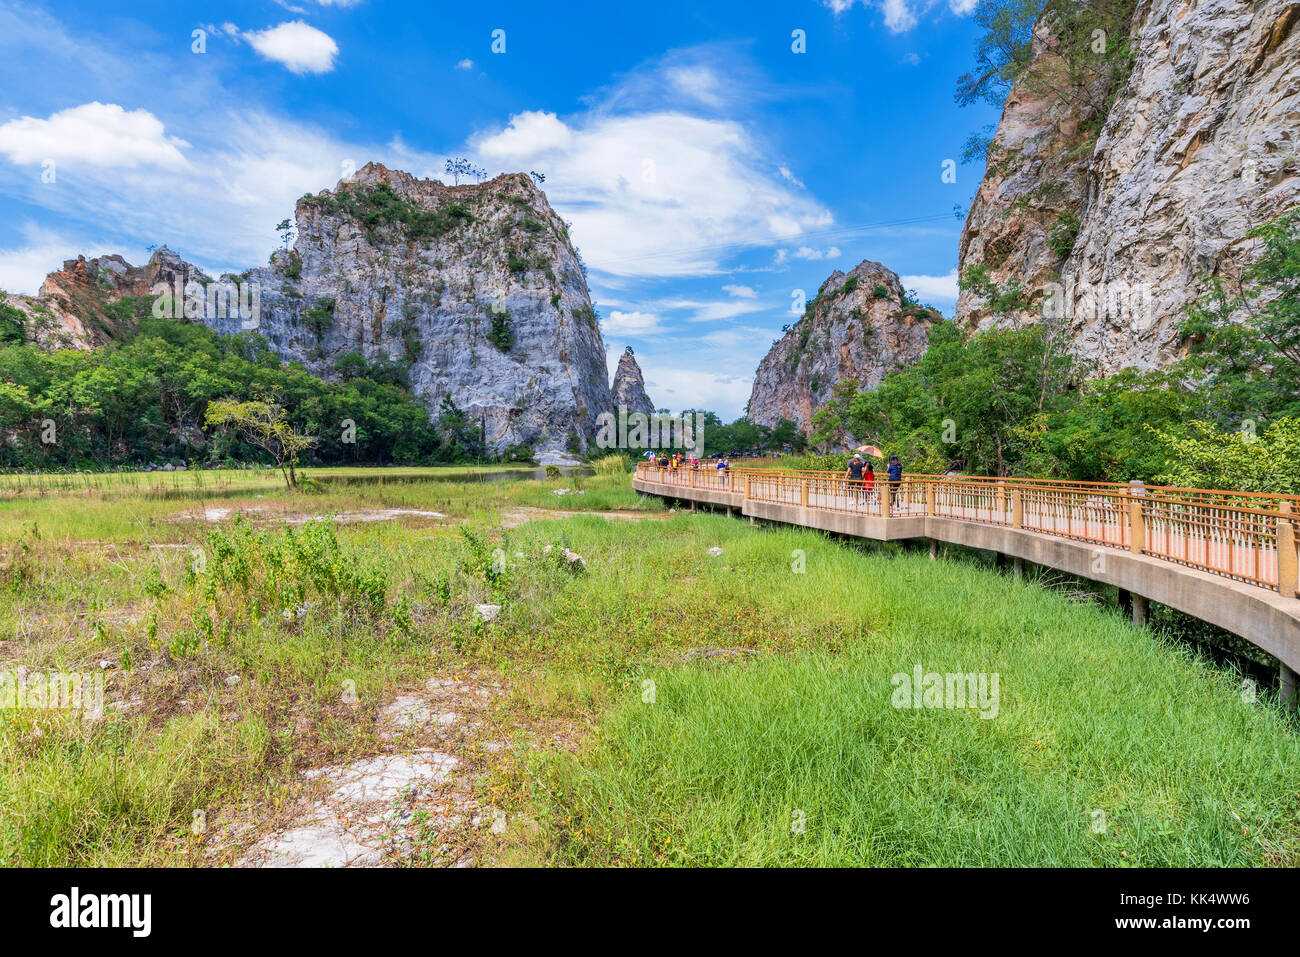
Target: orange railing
<point>1246,536</point>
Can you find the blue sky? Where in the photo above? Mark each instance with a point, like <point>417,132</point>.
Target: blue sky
<point>709,171</point>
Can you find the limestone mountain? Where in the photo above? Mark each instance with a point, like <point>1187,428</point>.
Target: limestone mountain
<point>1123,197</point>
<point>628,388</point>
<point>473,291</point>
<point>860,327</point>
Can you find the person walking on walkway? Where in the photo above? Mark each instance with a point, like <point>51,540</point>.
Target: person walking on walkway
<point>895,479</point>
<point>854,474</point>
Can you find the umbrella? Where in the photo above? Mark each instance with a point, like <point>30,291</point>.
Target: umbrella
<point>870,450</point>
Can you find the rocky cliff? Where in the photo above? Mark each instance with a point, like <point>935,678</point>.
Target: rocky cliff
<point>90,302</point>
<point>628,388</point>
<point>859,327</point>
<point>1108,232</point>
<point>474,290</point>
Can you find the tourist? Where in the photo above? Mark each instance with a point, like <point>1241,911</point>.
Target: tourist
<point>895,478</point>
<point>854,474</point>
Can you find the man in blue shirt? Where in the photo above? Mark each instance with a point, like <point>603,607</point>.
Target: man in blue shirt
<point>895,478</point>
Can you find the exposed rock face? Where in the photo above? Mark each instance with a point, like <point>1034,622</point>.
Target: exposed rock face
<point>75,306</point>
<point>628,389</point>
<point>857,328</point>
<point>474,290</point>
<point>1201,144</point>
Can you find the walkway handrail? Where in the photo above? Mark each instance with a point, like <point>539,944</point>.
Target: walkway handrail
<point>1246,536</point>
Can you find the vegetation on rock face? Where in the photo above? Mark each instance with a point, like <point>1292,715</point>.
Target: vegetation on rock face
<point>13,325</point>
<point>501,331</point>
<point>1090,57</point>
<point>378,208</point>
<point>1016,401</point>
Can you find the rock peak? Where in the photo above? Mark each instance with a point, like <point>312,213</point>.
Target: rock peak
<point>628,387</point>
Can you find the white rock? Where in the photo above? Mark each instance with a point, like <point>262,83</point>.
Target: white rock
<point>488,612</point>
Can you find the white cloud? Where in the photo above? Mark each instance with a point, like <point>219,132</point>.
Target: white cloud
<point>703,311</point>
<point>679,388</point>
<point>933,287</point>
<point>619,323</point>
<point>297,46</point>
<point>661,193</point>
<point>23,268</point>
<point>92,135</point>
<point>696,82</point>
<point>529,135</point>
<point>902,15</point>
<point>899,17</point>
<point>807,252</point>
<point>740,292</point>
<point>465,64</point>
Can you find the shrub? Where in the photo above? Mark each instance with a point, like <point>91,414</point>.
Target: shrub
<point>502,333</point>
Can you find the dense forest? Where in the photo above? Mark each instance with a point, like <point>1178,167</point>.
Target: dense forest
<point>142,401</point>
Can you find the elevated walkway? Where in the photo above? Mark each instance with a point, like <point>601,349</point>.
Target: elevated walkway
<point>1228,558</point>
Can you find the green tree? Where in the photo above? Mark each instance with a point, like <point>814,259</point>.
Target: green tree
<point>263,424</point>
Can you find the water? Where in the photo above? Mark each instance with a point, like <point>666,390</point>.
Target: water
<point>470,475</point>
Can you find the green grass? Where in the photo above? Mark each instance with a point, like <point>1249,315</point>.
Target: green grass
<point>794,716</point>
<point>1094,715</point>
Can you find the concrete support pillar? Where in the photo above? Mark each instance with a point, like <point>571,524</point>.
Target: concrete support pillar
<point>934,549</point>
<point>1288,569</point>
<point>1286,687</point>
<point>692,505</point>
<point>1137,529</point>
<point>1018,566</point>
<point>728,511</point>
<point>751,520</point>
<point>1139,610</point>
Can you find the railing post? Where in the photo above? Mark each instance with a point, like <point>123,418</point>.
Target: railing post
<point>1002,497</point>
<point>929,498</point>
<point>1137,528</point>
<point>1017,508</point>
<point>747,490</point>
<point>1288,575</point>
<point>803,492</point>
<point>884,499</point>
<point>693,471</point>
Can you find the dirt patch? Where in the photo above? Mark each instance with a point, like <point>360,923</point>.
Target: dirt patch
<point>528,513</point>
<point>415,803</point>
<point>263,515</point>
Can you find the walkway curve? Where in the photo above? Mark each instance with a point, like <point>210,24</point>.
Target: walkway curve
<point>1228,558</point>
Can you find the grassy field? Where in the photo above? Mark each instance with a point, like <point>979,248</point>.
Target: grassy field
<point>668,706</point>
